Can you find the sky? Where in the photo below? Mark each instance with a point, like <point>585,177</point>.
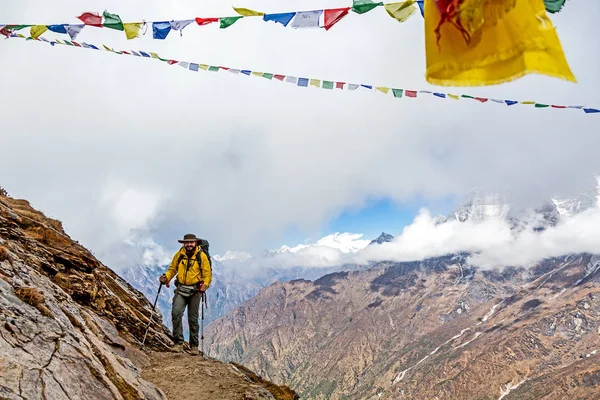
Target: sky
<point>131,153</point>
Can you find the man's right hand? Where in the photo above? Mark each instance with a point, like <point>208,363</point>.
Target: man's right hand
<point>163,279</point>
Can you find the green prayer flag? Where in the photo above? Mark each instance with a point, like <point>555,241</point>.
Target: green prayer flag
<point>363,6</point>
<point>213,68</point>
<point>466,96</point>
<point>398,92</point>
<point>554,6</point>
<point>267,75</point>
<point>228,21</point>
<point>538,105</point>
<point>327,85</point>
<point>112,21</point>
<point>69,43</point>
<point>17,27</point>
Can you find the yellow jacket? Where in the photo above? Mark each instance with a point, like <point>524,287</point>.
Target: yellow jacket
<point>195,273</point>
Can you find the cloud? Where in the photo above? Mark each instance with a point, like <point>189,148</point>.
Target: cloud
<point>117,146</point>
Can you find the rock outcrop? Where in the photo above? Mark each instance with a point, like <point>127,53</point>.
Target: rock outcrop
<point>436,329</point>
<point>70,328</point>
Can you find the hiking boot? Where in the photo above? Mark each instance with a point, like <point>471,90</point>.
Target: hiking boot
<point>194,351</point>
<point>177,348</point>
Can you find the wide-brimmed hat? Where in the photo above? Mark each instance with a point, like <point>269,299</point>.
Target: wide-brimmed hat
<point>188,237</point>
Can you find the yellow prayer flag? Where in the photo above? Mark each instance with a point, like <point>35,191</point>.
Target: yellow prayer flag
<point>528,102</point>
<point>154,55</point>
<point>37,30</point>
<point>491,49</point>
<point>132,29</point>
<point>383,89</point>
<point>401,11</point>
<point>21,36</point>
<point>204,67</point>
<point>108,48</point>
<point>315,82</point>
<point>257,73</point>
<point>453,96</point>
<point>246,12</point>
<point>58,41</point>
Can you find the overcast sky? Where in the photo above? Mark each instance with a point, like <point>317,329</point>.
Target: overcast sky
<point>129,151</point>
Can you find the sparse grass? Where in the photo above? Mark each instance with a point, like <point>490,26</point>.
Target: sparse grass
<point>35,299</point>
<point>3,192</point>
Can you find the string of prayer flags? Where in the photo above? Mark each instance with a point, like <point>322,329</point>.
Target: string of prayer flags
<point>112,21</point>
<point>363,6</point>
<point>478,45</point>
<point>332,16</point>
<point>313,82</point>
<point>282,18</point>
<point>400,11</point>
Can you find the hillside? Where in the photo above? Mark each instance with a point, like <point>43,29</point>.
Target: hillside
<point>437,329</point>
<point>70,328</point>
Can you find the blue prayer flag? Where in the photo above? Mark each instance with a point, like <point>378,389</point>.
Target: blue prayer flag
<point>283,18</point>
<point>303,82</point>
<point>160,30</point>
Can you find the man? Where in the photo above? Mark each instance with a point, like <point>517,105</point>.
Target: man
<point>191,266</point>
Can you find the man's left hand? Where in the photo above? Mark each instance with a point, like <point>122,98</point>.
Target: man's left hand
<point>203,287</point>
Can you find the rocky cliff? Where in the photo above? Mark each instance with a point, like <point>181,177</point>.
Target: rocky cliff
<point>70,328</point>
<point>437,329</point>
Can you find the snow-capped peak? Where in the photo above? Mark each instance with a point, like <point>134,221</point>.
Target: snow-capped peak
<point>345,242</point>
<point>233,256</point>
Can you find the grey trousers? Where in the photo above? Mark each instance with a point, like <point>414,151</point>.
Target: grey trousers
<point>193,306</point>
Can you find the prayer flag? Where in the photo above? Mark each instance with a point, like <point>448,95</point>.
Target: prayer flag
<point>307,19</point>
<point>401,11</point>
<point>74,30</point>
<point>315,83</point>
<point>332,16</point>
<point>397,92</point>
<point>383,89</point>
<point>283,18</point>
<point>91,19</point>
<point>112,21</point>
<point>37,31</point>
<point>206,21</point>
<point>327,85</point>
<point>246,12</point>
<point>160,30</point>
<point>228,21</point>
<point>132,29</point>
<point>57,28</point>
<point>363,6</point>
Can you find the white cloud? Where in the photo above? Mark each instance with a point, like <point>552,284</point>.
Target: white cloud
<point>240,160</point>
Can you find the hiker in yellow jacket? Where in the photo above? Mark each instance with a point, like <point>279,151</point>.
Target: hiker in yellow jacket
<point>191,266</point>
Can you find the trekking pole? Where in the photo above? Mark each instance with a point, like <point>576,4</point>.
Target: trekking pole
<point>203,294</point>
<point>151,314</point>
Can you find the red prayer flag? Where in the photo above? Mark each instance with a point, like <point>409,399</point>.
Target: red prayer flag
<point>91,19</point>
<point>339,85</point>
<point>481,99</point>
<point>333,15</point>
<point>75,44</point>
<point>171,62</point>
<point>224,68</point>
<point>555,106</point>
<point>279,77</point>
<point>206,21</point>
<point>6,32</point>
<point>410,93</point>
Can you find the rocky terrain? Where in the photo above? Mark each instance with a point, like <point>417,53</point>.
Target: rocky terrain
<point>70,328</point>
<point>436,329</point>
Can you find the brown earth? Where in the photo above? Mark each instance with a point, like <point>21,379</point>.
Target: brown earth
<point>185,377</point>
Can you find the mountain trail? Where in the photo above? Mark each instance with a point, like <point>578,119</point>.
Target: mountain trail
<point>184,377</point>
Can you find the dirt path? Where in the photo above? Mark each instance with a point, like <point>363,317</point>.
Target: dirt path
<point>185,377</point>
